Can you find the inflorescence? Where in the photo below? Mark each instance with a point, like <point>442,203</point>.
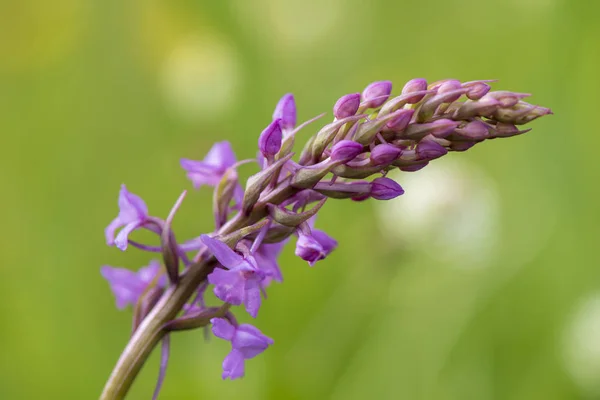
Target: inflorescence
<point>371,134</point>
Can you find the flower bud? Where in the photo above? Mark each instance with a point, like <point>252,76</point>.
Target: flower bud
<point>438,128</point>
<point>451,85</point>
<point>461,146</point>
<point>346,106</point>
<point>472,108</point>
<point>269,141</point>
<point>345,150</point>
<point>507,130</point>
<point>384,154</point>
<point>385,189</point>
<point>415,85</point>
<point>476,130</point>
<point>477,89</point>
<point>414,167</point>
<point>508,99</point>
<point>376,93</point>
<point>286,111</point>
<point>401,120</point>
<point>429,149</point>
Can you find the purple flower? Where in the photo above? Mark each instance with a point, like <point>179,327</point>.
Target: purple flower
<point>286,111</point>
<point>128,286</point>
<point>238,284</point>
<point>246,342</point>
<point>133,213</point>
<point>269,141</point>
<point>314,246</point>
<point>210,170</point>
<point>385,189</point>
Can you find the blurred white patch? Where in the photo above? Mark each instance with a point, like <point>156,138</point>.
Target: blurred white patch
<point>581,346</point>
<point>449,211</point>
<point>200,77</point>
<point>291,24</point>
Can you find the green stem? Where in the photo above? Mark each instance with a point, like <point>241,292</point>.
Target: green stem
<point>150,331</point>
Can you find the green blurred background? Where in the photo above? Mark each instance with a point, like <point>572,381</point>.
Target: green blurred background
<point>482,282</point>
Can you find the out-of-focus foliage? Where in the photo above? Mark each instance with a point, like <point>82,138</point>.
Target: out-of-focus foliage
<point>484,286</point>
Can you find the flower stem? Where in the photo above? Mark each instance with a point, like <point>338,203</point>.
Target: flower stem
<point>151,331</point>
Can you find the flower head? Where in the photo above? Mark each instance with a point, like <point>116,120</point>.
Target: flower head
<point>133,213</point>
<point>210,170</point>
<point>128,286</point>
<point>240,283</point>
<point>246,342</point>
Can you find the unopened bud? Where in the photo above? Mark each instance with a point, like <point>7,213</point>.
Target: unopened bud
<point>286,111</point>
<point>414,167</point>
<point>476,130</point>
<point>385,189</point>
<point>506,98</point>
<point>345,150</point>
<point>346,106</point>
<point>415,85</point>
<point>439,128</point>
<point>451,85</point>
<point>461,146</point>
<point>429,149</point>
<point>269,141</point>
<point>384,154</point>
<point>376,93</point>
<point>401,120</point>
<point>477,89</point>
<point>476,108</point>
